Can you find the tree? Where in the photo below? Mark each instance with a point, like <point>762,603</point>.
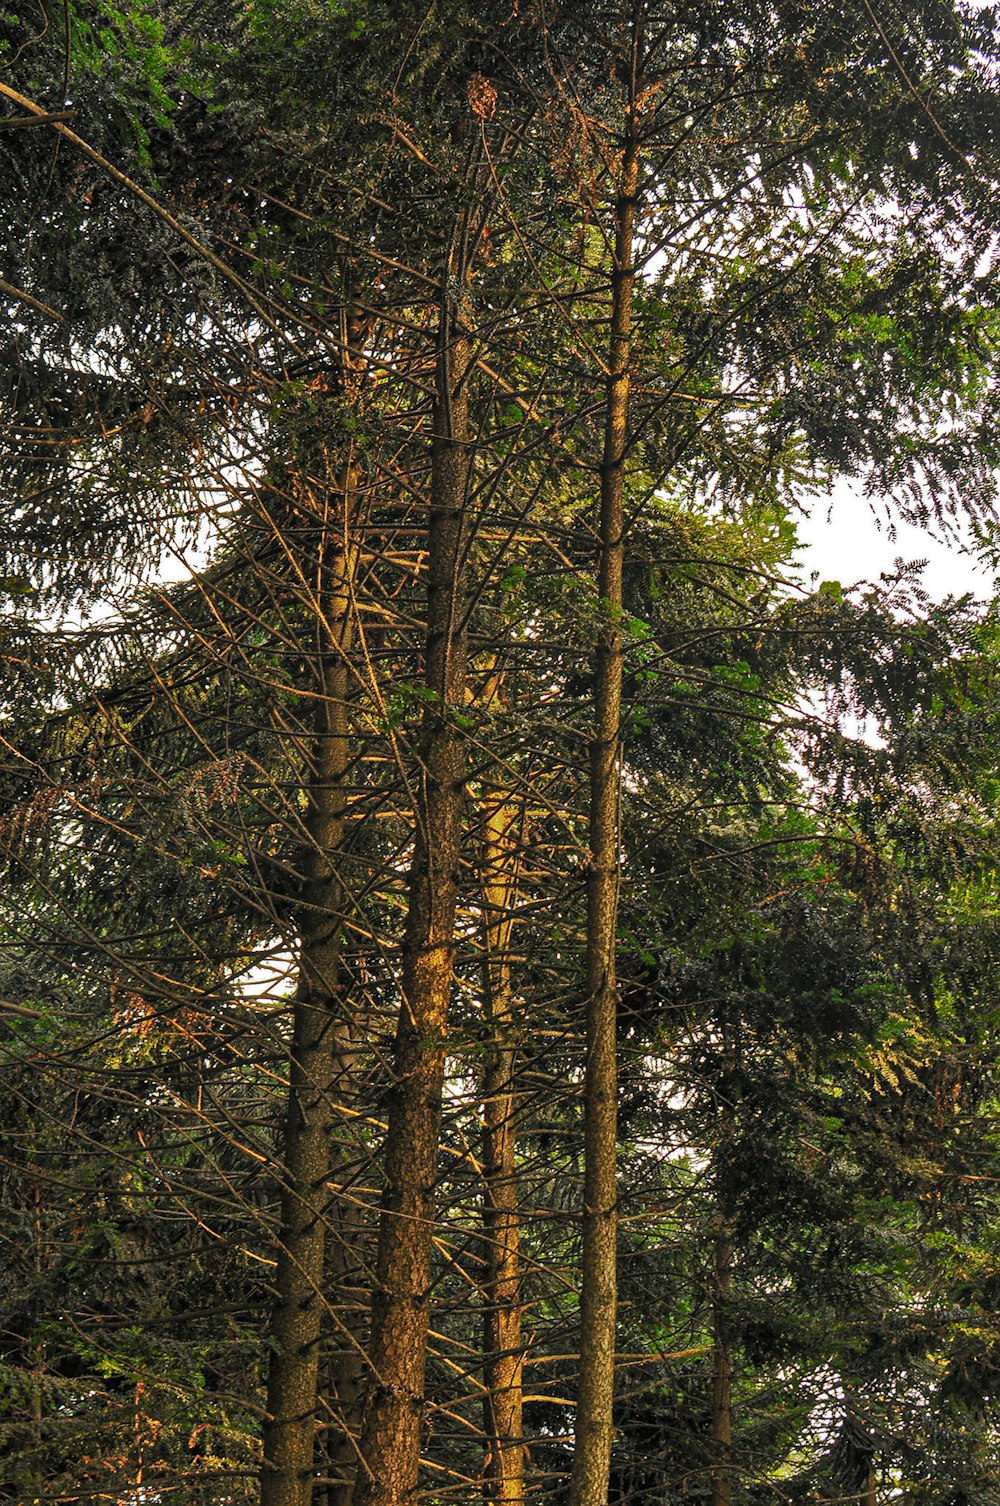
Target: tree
<point>433,364</point>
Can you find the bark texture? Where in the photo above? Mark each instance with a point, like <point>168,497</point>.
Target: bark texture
<point>390,1443</point>
<point>599,1277</point>
<point>322,1052</point>
<point>503,1353</point>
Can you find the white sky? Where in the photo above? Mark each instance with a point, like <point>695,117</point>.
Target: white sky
<point>844,540</point>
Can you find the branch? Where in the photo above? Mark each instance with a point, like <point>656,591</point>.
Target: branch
<point>221,266</point>
<point>35,303</point>
<point>15,122</point>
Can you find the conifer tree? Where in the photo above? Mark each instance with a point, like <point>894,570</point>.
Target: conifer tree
<point>440,347</point>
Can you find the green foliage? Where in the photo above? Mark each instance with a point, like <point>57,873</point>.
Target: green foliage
<point>808,917</point>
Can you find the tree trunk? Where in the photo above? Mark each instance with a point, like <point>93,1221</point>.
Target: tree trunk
<point>390,1444</point>
<point>36,1349</point>
<point>722,1373</point>
<point>322,1054</point>
<point>599,1278</point>
<point>503,1355</point>
<point>341,1400</point>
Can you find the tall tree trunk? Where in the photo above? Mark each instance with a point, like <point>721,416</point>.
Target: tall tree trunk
<point>322,1052</point>
<point>722,1371</point>
<point>503,1360</point>
<point>599,1275</point>
<point>390,1441</point>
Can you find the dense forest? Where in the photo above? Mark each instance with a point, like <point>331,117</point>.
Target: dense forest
<point>498,969</point>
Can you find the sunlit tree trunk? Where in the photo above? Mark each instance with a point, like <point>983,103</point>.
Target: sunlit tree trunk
<point>503,1359</point>
<point>390,1442</point>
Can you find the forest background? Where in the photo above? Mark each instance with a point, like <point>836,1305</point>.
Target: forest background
<point>498,977</point>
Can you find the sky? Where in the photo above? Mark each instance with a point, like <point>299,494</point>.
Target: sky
<point>843,540</point>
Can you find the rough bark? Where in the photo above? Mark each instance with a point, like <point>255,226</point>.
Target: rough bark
<point>503,1361</point>
<point>722,1371</point>
<point>390,1440</point>
<point>322,1052</point>
<point>599,1275</point>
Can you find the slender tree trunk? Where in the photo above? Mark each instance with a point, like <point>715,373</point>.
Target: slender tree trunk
<point>342,1402</point>
<point>390,1442</point>
<point>37,1349</point>
<point>322,1053</point>
<point>870,1497</point>
<point>598,1307</point>
<point>722,1373</point>
<point>503,1357</point>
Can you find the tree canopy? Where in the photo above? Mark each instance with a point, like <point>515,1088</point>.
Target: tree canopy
<point>498,973</point>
